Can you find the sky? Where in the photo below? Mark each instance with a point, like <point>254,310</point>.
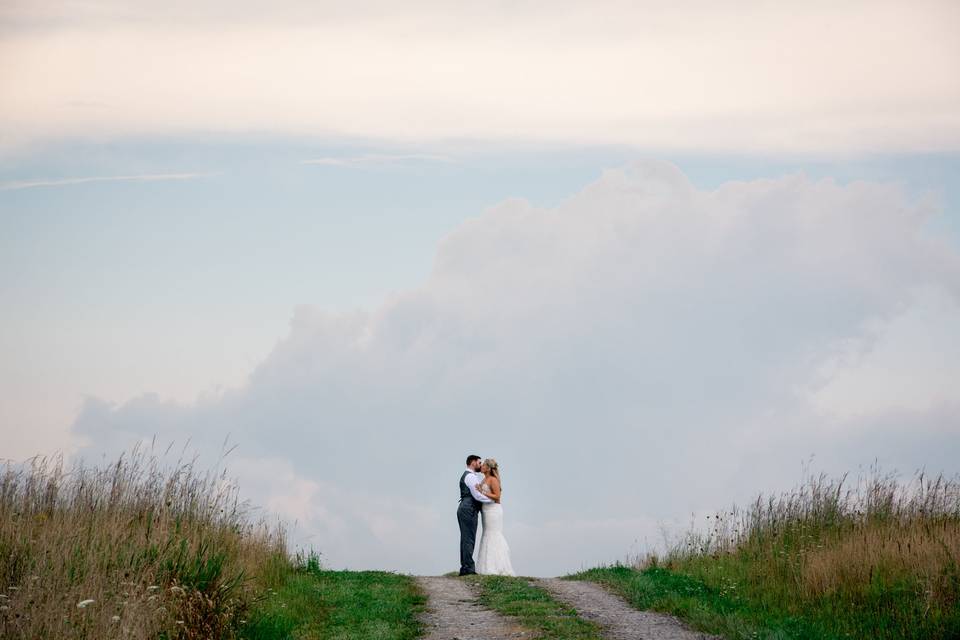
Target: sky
<point>654,258</point>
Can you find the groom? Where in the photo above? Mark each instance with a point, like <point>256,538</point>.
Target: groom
<point>470,503</point>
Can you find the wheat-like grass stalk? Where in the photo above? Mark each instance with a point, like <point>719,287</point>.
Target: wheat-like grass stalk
<point>132,549</point>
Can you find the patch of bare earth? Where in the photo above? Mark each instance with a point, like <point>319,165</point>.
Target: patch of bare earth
<point>619,620</point>
<point>454,613</point>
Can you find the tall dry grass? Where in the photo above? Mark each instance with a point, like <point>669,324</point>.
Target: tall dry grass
<point>875,543</point>
<point>136,549</point>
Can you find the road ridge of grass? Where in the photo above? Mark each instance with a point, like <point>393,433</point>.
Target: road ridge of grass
<point>534,607</point>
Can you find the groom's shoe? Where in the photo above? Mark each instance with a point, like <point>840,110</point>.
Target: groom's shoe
<point>467,573</point>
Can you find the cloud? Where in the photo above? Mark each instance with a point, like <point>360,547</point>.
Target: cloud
<point>902,364</point>
<point>643,351</point>
<point>378,160</point>
<point>692,76</point>
<point>61,182</point>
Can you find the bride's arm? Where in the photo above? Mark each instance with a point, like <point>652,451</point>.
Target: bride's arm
<point>494,493</point>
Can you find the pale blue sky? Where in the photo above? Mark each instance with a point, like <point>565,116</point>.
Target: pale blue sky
<point>263,223</point>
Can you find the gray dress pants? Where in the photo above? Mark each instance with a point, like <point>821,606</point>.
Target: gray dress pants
<point>467,518</point>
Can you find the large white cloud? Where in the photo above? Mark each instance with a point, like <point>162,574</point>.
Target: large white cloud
<point>644,350</point>
<point>689,75</point>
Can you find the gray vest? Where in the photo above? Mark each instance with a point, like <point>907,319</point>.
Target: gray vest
<point>466,496</point>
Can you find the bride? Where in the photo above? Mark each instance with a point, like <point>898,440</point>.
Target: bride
<point>494,554</point>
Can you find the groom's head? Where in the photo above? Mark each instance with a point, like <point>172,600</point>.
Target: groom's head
<point>473,462</point>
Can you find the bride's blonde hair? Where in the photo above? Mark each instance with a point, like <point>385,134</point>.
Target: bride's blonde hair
<point>494,469</point>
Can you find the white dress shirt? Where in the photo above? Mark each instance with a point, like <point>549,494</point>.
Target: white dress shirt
<point>472,479</point>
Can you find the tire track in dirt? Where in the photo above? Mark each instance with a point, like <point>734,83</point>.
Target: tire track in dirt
<point>619,620</point>
<point>454,613</point>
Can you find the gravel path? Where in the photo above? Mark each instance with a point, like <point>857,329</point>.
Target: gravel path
<point>453,613</point>
<point>619,620</point>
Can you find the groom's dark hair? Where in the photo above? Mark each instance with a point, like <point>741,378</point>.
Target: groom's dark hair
<point>471,459</point>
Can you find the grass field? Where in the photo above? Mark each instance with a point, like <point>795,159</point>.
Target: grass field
<point>878,559</point>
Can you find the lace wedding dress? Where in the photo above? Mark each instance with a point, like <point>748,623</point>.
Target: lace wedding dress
<point>494,554</point>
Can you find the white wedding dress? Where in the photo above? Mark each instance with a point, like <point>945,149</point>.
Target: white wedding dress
<point>493,558</point>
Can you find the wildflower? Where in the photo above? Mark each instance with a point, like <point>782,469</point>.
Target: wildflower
<point>152,587</point>
<point>176,589</point>
<point>115,618</point>
<point>179,621</point>
<point>83,604</point>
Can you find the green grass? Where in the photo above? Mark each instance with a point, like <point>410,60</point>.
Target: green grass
<point>534,608</point>
<point>309,602</point>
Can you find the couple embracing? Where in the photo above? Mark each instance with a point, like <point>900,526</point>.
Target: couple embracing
<point>480,492</point>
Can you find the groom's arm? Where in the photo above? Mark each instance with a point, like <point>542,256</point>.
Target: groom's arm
<point>472,481</point>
